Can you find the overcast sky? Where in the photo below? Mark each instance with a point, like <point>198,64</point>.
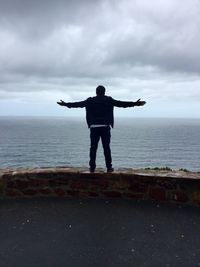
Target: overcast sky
<point>52,50</point>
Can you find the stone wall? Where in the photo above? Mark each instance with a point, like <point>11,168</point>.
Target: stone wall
<point>173,186</point>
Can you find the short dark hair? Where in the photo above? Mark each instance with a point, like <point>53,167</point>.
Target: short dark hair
<point>100,90</point>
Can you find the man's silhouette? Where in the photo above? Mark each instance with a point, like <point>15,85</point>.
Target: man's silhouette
<point>99,117</point>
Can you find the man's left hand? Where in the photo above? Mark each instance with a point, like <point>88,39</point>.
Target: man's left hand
<point>61,103</point>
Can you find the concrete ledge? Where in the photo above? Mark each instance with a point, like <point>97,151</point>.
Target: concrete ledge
<point>171,186</point>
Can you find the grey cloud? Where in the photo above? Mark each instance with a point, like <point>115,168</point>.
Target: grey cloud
<point>36,19</point>
<point>95,39</point>
<point>123,44</point>
<point>166,38</point>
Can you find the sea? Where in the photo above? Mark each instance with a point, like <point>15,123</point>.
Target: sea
<point>65,141</point>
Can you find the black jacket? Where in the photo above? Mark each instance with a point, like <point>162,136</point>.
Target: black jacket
<point>99,109</point>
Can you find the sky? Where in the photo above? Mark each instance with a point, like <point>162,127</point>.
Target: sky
<point>52,50</point>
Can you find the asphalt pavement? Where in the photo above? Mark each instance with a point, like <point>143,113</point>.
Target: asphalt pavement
<point>98,232</point>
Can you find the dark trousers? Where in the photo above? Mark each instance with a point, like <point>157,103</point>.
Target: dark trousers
<point>95,135</point>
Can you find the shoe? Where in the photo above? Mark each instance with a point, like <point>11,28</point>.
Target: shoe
<point>110,169</point>
<point>92,170</point>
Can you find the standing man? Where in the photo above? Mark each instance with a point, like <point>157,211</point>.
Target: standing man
<point>99,117</point>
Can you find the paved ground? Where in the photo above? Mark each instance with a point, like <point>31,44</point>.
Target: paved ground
<point>97,232</point>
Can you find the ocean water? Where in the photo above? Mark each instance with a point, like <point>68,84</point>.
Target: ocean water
<point>136,143</point>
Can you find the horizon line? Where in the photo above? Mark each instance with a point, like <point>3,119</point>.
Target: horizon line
<point>82,117</point>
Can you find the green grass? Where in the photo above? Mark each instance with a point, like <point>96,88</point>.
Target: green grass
<point>183,170</point>
<point>164,169</point>
<point>159,169</point>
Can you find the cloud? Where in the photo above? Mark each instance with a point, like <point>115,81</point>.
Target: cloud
<point>36,19</point>
<point>150,48</point>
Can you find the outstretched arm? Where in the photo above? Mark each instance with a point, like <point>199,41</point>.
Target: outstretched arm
<point>126,104</point>
<point>80,104</point>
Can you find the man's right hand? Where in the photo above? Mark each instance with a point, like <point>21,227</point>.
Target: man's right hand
<point>140,103</point>
<point>61,103</point>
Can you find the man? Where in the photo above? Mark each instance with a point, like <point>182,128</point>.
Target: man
<point>99,117</point>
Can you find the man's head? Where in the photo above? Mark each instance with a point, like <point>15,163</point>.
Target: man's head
<point>100,90</point>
